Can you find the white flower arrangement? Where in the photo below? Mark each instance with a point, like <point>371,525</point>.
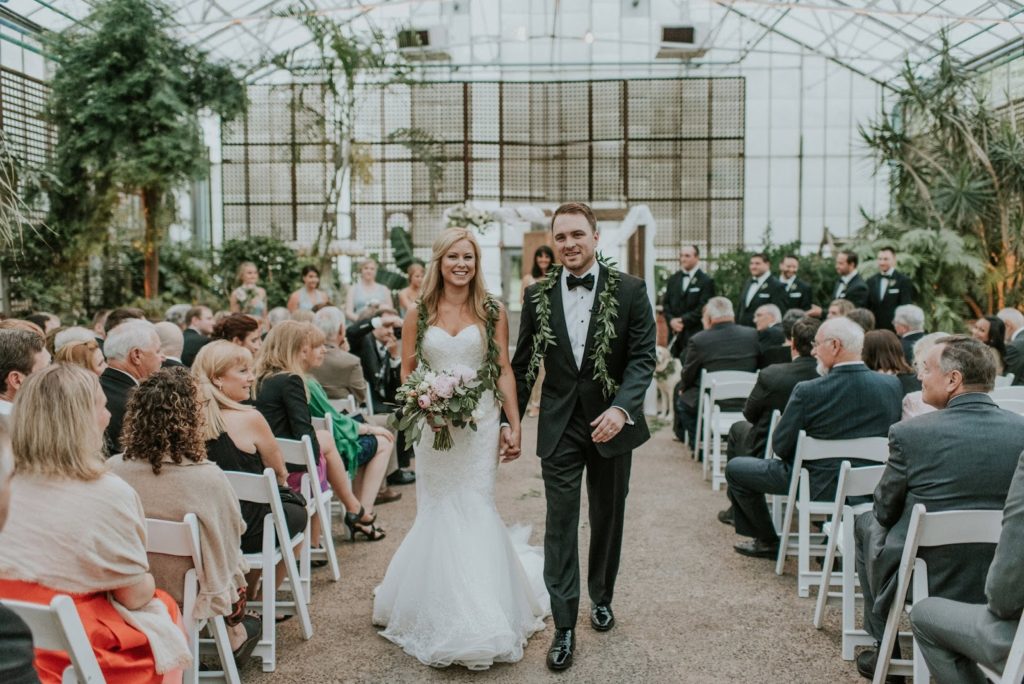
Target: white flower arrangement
<point>466,215</point>
<point>334,248</point>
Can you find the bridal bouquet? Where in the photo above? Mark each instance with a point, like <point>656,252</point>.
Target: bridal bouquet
<point>442,399</point>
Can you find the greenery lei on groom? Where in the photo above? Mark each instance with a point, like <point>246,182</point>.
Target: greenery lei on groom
<point>593,328</point>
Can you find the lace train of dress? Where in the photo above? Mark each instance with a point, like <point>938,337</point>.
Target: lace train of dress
<point>461,589</point>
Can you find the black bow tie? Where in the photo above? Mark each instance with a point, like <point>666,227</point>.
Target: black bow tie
<point>587,281</point>
<point>887,277</point>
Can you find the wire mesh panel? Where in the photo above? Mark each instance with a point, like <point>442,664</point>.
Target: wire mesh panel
<point>29,137</point>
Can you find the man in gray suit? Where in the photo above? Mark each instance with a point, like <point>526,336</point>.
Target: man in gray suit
<point>961,457</point>
<point>849,402</point>
<point>953,635</point>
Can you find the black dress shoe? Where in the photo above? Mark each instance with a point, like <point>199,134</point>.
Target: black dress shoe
<point>868,659</point>
<point>755,548</point>
<point>401,477</point>
<point>560,653</point>
<point>601,618</point>
<point>726,517</point>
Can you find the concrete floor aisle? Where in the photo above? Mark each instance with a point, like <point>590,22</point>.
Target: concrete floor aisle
<point>688,608</point>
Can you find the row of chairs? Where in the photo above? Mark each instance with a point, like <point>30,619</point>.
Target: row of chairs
<point>57,626</point>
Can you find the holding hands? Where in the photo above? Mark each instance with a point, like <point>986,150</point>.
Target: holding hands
<point>509,444</point>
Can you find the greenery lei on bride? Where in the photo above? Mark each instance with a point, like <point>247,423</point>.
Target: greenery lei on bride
<point>490,369</point>
<point>604,332</point>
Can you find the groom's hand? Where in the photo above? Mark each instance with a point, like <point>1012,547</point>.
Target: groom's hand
<point>508,445</point>
<point>607,425</point>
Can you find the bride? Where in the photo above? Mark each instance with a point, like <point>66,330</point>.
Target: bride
<point>459,589</point>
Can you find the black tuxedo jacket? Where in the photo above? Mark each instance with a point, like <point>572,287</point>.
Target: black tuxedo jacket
<point>910,339</point>
<point>899,292</point>
<point>770,337</point>
<point>848,403</point>
<point>798,295</point>
<point>118,388</point>
<point>1015,359</point>
<point>935,460</point>
<point>688,305</point>
<point>771,392</point>
<point>193,343</point>
<point>856,291</point>
<point>770,292</point>
<point>723,346</point>
<point>382,379</point>
<point>630,363</point>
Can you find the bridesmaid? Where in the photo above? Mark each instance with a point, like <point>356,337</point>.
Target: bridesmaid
<point>366,291</point>
<point>309,296</point>
<point>543,258</point>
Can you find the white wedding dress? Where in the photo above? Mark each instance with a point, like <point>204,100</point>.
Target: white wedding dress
<point>460,589</point>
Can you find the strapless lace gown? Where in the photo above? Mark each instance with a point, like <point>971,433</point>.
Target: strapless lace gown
<point>460,589</point>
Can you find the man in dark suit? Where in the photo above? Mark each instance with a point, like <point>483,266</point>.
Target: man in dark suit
<point>688,290</point>
<point>133,354</point>
<point>762,288</point>
<point>850,285</point>
<point>783,353</point>
<point>908,322</point>
<point>768,322</point>
<point>1013,320</point>
<point>798,292</point>
<point>22,353</point>
<point>380,354</point>
<point>591,421</point>
<point>835,406</point>
<point>887,290</point>
<point>722,346</point>
<point>171,343</point>
<point>954,635</point>
<point>962,456</point>
<point>197,334</point>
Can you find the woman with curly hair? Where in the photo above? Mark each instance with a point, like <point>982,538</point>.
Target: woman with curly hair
<point>240,329</point>
<point>88,355</point>
<point>75,528</point>
<point>164,461</point>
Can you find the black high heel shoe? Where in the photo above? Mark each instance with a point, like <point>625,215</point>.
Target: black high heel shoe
<point>355,524</point>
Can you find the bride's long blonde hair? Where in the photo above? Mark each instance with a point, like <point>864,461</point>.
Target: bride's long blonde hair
<point>433,284</point>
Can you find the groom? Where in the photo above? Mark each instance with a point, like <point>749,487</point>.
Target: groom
<point>592,413</point>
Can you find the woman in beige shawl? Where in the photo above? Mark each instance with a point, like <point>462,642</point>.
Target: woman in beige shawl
<point>76,529</point>
<point>164,460</point>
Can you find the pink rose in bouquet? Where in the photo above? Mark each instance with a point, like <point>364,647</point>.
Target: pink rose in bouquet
<point>442,400</point>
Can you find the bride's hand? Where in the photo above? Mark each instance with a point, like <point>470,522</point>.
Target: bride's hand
<point>509,444</point>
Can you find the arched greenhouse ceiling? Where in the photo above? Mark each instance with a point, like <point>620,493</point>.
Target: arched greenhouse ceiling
<point>501,37</point>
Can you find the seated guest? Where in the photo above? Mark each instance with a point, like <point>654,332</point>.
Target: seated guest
<point>722,345</point>
<point>341,373</point>
<point>1013,321</point>
<point>176,314</point>
<point>840,307</point>
<point>240,329</point>
<point>20,324</point>
<point>992,331</point>
<point>99,322</point>
<point>278,314</point>
<point>200,325</point>
<point>282,398</point>
<point>783,353</point>
<point>87,354</point>
<point>847,403</point>
<point>165,462</point>
<point>768,323</point>
<point>72,334</point>
<point>908,322</point>
<point>133,354</point>
<point>119,316</point>
<point>22,353</point>
<point>954,635</point>
<point>771,392</point>
<point>382,363</point>
<point>883,353</point>
<point>863,317</point>
<point>76,529</point>
<point>171,343</point>
<point>370,320</point>
<point>45,320</point>
<point>913,403</point>
<point>16,654</point>
<point>935,460</point>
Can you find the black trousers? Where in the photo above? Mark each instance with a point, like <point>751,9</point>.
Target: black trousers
<point>607,487</point>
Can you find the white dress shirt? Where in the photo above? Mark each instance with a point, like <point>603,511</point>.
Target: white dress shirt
<point>884,282</point>
<point>755,286</point>
<point>577,306</point>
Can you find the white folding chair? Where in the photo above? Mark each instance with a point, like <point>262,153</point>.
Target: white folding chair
<point>706,376</point>
<point>718,422</point>
<point>182,539</point>
<point>1015,405</point>
<point>1012,392</point>
<point>775,501</point>
<point>944,528</point>
<point>1013,673</point>
<point>1005,380</point>
<point>300,453</point>
<point>852,482</point>
<point>347,405</point>
<point>262,489</point>
<point>57,627</point>
<point>799,498</point>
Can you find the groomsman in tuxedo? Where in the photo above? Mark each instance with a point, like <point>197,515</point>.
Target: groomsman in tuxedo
<point>798,292</point>
<point>961,457</point>
<point>953,636</point>
<point>1013,319</point>
<point>762,288</point>
<point>850,285</point>
<point>848,402</point>
<point>688,290</point>
<point>888,289</point>
<point>908,322</point>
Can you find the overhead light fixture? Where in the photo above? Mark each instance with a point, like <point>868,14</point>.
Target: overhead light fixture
<point>588,38</point>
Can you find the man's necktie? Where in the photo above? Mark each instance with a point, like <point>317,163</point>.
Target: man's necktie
<point>587,281</point>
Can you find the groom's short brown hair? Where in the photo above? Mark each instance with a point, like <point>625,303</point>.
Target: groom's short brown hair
<point>575,208</point>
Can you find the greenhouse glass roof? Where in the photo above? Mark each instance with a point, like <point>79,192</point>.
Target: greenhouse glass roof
<point>870,37</point>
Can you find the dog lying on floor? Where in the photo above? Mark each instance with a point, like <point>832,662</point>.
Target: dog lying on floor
<point>666,377</point>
